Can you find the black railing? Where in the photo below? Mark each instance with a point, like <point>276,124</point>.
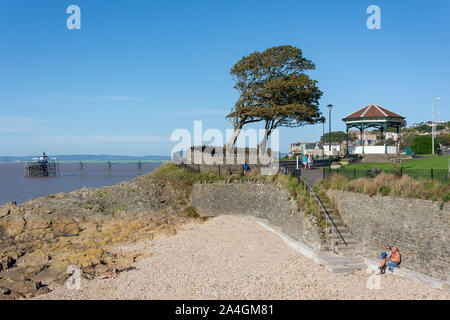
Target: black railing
<point>328,219</point>
<point>440,175</point>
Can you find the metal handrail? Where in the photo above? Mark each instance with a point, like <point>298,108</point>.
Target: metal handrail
<point>323,209</point>
<point>321,206</point>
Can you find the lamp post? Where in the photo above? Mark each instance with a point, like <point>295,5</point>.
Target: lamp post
<point>330,106</point>
<point>323,138</point>
<point>432,124</point>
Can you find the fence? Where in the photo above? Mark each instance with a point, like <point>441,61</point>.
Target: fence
<point>440,175</point>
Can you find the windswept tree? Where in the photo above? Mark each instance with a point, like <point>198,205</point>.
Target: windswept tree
<point>274,88</point>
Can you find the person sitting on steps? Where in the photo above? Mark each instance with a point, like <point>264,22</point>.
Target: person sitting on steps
<point>392,261</point>
<point>387,253</point>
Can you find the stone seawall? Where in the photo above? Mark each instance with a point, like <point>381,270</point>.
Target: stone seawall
<point>263,201</point>
<point>420,228</point>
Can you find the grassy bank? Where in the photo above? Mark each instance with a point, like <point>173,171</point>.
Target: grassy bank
<point>386,184</point>
<point>182,181</point>
<point>436,162</point>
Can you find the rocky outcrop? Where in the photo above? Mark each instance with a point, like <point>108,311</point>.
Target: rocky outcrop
<point>41,238</point>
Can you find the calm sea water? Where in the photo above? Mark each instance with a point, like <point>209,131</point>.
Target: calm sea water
<point>15,187</point>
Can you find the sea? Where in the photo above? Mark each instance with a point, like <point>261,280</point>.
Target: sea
<point>14,186</point>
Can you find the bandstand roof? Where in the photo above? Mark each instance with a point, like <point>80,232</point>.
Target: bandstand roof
<point>373,111</point>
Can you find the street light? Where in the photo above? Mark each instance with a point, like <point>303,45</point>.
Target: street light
<point>330,106</point>
<point>432,124</point>
<point>323,138</point>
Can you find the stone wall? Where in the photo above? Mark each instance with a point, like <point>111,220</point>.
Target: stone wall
<point>218,169</point>
<point>263,201</point>
<point>420,228</point>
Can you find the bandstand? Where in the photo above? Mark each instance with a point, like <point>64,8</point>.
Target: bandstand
<point>373,116</point>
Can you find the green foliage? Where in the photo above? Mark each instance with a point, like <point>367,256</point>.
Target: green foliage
<point>191,212</point>
<point>336,136</point>
<point>384,190</point>
<point>446,196</point>
<point>422,144</point>
<point>423,128</point>
<point>443,139</point>
<point>274,88</point>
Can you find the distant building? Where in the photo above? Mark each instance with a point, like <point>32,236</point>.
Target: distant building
<point>392,135</point>
<point>335,149</point>
<point>430,123</point>
<point>308,148</point>
<point>370,137</point>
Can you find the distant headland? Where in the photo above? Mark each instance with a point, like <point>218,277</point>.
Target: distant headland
<point>92,157</point>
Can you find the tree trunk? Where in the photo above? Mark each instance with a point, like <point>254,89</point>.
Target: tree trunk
<point>232,141</point>
<point>263,143</point>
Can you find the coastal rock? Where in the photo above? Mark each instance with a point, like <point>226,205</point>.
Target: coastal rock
<point>12,224</point>
<point>25,288</point>
<point>65,227</point>
<point>4,212</point>
<point>35,221</point>
<point>41,238</point>
<point>36,258</point>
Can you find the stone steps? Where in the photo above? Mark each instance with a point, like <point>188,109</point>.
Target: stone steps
<point>351,242</point>
<point>342,230</point>
<point>345,235</point>
<point>348,251</point>
<point>339,265</point>
<point>351,249</point>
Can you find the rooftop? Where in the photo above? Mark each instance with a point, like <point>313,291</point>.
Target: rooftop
<point>373,111</point>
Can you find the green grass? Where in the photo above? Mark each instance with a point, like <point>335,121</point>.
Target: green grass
<point>387,184</point>
<point>435,162</point>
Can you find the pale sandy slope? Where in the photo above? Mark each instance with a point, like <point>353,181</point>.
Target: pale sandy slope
<point>235,258</point>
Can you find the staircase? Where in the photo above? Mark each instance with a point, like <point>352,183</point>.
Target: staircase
<point>350,247</point>
<point>344,258</point>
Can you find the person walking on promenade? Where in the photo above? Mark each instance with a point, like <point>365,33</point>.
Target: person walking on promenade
<point>310,161</point>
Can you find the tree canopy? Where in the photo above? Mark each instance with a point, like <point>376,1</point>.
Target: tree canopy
<point>423,144</point>
<point>274,88</point>
<point>337,136</point>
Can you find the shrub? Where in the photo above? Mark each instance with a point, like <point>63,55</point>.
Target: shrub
<point>384,190</point>
<point>422,144</point>
<point>191,212</point>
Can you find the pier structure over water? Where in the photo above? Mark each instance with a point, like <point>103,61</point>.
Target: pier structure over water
<point>41,167</point>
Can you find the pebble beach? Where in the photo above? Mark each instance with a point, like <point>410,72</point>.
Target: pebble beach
<point>233,257</point>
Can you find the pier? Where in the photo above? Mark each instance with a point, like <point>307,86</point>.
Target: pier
<point>41,167</point>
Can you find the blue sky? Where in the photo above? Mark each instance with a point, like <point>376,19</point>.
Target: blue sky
<point>137,70</point>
